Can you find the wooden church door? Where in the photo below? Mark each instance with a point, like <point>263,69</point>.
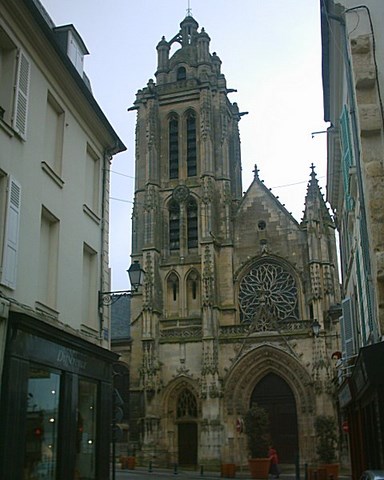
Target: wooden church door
<point>275,395</point>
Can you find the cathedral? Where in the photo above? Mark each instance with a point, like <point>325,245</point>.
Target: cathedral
<point>233,283</point>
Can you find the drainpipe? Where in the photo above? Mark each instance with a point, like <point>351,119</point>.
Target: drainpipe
<point>107,159</point>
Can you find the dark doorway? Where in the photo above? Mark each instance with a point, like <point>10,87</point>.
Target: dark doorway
<point>187,439</point>
<point>275,395</point>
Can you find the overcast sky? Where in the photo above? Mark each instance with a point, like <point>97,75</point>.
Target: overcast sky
<point>271,54</point>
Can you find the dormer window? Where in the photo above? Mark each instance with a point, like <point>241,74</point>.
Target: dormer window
<point>72,44</point>
<point>75,53</point>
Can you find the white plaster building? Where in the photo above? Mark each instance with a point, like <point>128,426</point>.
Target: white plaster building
<point>56,146</point>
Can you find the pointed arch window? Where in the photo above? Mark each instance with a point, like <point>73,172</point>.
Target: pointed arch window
<point>186,404</point>
<point>191,145</point>
<point>193,293</point>
<point>174,226</point>
<point>173,298</point>
<point>181,73</point>
<point>192,226</point>
<point>173,147</point>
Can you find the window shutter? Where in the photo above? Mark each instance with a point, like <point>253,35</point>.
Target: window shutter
<point>11,238</point>
<point>347,328</point>
<point>21,95</point>
<point>347,155</point>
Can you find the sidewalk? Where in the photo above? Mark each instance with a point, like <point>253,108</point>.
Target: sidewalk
<point>201,473</point>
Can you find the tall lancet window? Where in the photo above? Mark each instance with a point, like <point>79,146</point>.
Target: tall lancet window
<point>173,148</point>
<point>192,226</point>
<point>174,225</point>
<point>191,145</point>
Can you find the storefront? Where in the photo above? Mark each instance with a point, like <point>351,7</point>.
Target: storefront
<point>55,405</point>
<point>362,401</point>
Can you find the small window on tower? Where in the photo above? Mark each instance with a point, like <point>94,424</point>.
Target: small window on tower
<point>192,224</point>
<point>181,73</point>
<point>174,226</point>
<point>173,148</point>
<point>191,145</point>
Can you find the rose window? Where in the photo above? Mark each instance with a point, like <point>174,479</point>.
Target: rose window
<point>268,295</point>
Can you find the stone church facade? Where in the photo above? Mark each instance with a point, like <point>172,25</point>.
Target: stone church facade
<point>233,282</point>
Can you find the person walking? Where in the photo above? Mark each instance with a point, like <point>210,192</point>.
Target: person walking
<point>274,468</point>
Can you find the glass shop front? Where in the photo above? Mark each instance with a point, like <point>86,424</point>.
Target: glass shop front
<point>55,404</point>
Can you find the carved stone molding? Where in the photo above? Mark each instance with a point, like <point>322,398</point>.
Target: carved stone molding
<point>252,367</point>
<point>181,193</point>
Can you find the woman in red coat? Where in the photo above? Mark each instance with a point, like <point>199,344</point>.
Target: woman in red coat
<point>274,467</point>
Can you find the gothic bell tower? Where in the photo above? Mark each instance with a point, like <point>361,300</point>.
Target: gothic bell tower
<point>188,181</point>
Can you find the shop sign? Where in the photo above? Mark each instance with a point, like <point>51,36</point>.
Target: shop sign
<point>71,360</point>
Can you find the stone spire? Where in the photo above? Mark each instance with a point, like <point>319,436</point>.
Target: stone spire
<point>315,206</point>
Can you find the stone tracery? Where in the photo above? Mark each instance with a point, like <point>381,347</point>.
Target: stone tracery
<point>268,294</point>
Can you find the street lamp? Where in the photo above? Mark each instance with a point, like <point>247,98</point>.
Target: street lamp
<point>136,277</point>
<point>316,328</point>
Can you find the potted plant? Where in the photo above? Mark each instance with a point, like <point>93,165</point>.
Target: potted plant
<point>256,422</point>
<point>327,442</point>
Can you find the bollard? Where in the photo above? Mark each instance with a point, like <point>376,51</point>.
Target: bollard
<point>175,468</point>
<point>297,467</point>
<point>150,467</point>
<point>201,470</point>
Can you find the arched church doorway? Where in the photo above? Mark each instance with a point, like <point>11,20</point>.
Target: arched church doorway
<point>187,428</point>
<point>275,395</point>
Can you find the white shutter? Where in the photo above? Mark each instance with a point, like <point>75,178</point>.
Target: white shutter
<point>347,328</point>
<point>20,112</point>
<point>11,237</point>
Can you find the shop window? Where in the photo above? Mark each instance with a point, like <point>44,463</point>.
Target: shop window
<point>173,148</point>
<point>174,226</point>
<point>86,430</point>
<point>191,145</point>
<point>192,223</point>
<point>40,460</point>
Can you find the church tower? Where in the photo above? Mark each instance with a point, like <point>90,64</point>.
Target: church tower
<point>233,283</point>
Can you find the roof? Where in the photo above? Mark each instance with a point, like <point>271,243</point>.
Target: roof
<point>47,27</point>
<point>120,319</point>
<point>324,8</point>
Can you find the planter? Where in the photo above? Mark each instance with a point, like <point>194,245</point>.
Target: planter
<point>332,470</point>
<point>259,468</point>
<point>128,463</point>
<point>228,470</point>
<point>324,471</point>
